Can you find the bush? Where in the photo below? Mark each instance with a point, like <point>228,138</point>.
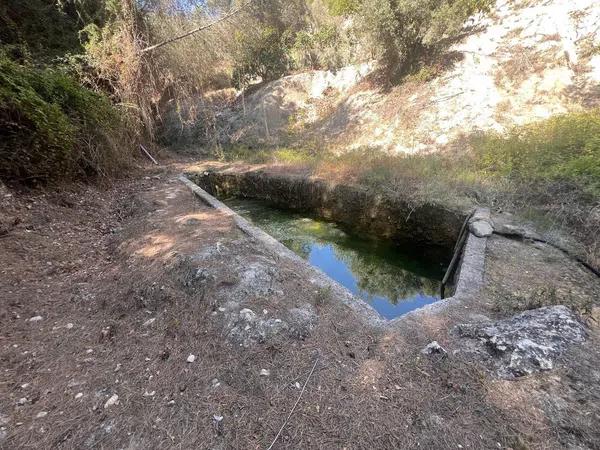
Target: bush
<point>318,49</point>
<point>51,127</point>
<point>264,55</point>
<point>342,7</point>
<point>563,148</point>
<point>406,31</point>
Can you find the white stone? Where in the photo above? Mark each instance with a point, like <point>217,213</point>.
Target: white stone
<point>79,395</point>
<point>191,358</point>
<point>35,318</point>
<point>481,228</point>
<point>433,348</point>
<point>247,314</point>
<point>265,372</point>
<point>114,400</point>
<point>41,414</point>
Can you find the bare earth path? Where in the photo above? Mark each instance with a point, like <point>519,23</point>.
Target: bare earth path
<point>136,317</point>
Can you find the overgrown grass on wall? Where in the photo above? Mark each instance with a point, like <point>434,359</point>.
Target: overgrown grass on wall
<point>52,128</point>
<point>564,148</point>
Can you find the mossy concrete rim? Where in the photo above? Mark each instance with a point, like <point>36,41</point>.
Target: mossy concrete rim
<point>468,279</point>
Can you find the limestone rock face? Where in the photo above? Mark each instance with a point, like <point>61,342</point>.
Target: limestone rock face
<point>527,342</point>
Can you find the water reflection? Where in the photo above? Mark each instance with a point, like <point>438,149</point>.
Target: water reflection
<point>393,280</point>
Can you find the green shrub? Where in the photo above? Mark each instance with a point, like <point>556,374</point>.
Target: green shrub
<point>318,49</point>
<point>342,7</point>
<point>51,127</point>
<point>564,148</point>
<point>406,31</point>
<point>264,55</point>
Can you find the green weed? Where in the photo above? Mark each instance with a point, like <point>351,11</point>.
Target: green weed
<point>51,127</point>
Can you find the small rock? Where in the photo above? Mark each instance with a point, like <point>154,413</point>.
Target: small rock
<point>247,314</point>
<point>149,394</point>
<point>118,367</point>
<point>191,358</point>
<point>433,348</point>
<point>89,350</point>
<point>22,401</point>
<point>171,403</point>
<point>217,423</point>
<point>114,400</point>
<point>297,385</point>
<point>149,322</point>
<point>481,228</point>
<point>41,414</point>
<point>215,383</point>
<point>302,320</point>
<point>265,372</point>
<point>69,326</point>
<point>24,385</point>
<point>35,318</point>
<point>79,395</point>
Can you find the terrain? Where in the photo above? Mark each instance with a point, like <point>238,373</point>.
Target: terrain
<point>525,61</point>
<point>138,311</point>
<point>137,316</point>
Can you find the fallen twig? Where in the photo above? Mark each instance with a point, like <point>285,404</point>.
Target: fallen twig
<point>295,404</point>
<point>148,154</point>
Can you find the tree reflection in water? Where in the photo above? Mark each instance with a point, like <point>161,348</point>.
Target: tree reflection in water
<point>378,271</point>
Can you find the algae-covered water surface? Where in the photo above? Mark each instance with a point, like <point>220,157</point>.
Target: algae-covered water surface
<point>393,280</point>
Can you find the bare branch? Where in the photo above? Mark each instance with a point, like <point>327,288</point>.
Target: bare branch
<point>198,29</point>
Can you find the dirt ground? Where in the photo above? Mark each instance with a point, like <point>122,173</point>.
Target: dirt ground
<point>122,326</point>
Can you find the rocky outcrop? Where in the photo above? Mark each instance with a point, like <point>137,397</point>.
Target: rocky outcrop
<point>528,342</point>
<point>246,328</point>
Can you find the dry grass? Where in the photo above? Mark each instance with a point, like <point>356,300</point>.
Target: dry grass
<point>523,63</point>
<point>371,387</point>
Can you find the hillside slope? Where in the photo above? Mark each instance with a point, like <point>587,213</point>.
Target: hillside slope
<point>525,61</point>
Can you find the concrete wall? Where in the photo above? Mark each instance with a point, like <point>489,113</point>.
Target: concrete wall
<point>430,227</point>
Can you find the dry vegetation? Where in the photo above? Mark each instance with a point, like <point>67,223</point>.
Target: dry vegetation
<point>120,259</point>
<point>111,270</point>
<point>547,172</point>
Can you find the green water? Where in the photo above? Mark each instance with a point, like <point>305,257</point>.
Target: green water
<point>393,280</point>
